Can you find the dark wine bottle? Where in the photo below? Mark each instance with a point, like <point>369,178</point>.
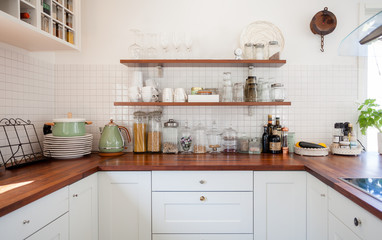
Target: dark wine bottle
<point>265,140</point>
<point>274,143</point>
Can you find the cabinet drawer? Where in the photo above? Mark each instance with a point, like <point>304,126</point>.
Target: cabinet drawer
<point>23,222</point>
<point>202,212</point>
<point>345,210</point>
<point>202,181</point>
<point>202,236</point>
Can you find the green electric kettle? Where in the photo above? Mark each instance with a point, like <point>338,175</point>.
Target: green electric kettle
<point>111,139</point>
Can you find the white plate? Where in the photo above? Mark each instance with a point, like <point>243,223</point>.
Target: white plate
<point>68,149</point>
<point>69,156</point>
<point>261,32</point>
<point>64,155</point>
<point>50,136</point>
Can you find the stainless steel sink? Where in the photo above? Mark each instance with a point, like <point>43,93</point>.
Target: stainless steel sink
<point>370,186</point>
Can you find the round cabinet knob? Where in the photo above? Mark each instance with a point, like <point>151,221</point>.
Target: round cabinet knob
<point>202,181</point>
<point>26,222</point>
<point>75,195</point>
<point>357,221</point>
<point>322,194</point>
<point>203,198</point>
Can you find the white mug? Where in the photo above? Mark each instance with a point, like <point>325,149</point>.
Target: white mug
<point>147,94</point>
<point>137,79</point>
<point>180,95</point>
<point>134,94</point>
<point>167,95</point>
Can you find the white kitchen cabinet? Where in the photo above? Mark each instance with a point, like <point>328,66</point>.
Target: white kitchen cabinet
<point>317,209</point>
<point>280,205</point>
<point>339,231</point>
<point>358,220</point>
<point>202,236</point>
<point>124,205</point>
<point>27,220</point>
<point>83,209</point>
<point>56,230</point>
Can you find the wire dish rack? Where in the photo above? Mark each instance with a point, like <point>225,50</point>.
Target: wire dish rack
<point>19,143</point>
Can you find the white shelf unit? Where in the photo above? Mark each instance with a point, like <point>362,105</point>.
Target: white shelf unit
<point>52,24</point>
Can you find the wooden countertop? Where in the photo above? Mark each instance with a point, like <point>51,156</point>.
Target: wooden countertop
<point>19,187</point>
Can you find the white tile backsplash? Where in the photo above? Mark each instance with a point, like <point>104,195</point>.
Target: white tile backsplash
<point>320,96</point>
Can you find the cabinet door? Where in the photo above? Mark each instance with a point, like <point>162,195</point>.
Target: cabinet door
<point>56,230</point>
<point>338,230</point>
<point>280,205</point>
<point>83,209</point>
<point>202,236</point>
<point>317,209</point>
<point>125,205</point>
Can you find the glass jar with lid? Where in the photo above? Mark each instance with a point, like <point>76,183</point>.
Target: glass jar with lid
<point>264,91</point>
<point>243,143</point>
<point>249,50</point>
<point>170,137</point>
<point>185,139</point>
<point>259,51</point>
<point>250,90</point>
<point>254,146</point>
<point>154,134</point>
<point>274,50</point>
<point>278,93</point>
<point>229,141</point>
<point>214,138</point>
<point>199,139</point>
<point>227,88</point>
<point>140,127</point>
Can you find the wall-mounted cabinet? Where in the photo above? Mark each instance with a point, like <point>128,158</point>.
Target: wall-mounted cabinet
<point>40,25</point>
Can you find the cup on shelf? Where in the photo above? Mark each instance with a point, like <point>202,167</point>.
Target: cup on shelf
<point>147,94</point>
<point>180,95</point>
<point>134,94</point>
<point>167,95</point>
<point>137,79</point>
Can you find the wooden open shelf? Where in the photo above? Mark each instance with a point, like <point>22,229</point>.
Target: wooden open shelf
<point>268,63</point>
<point>202,103</point>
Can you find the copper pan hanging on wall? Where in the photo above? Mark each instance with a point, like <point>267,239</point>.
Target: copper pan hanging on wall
<point>323,23</point>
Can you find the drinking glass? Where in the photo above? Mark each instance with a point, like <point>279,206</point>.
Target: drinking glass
<point>188,44</point>
<point>177,42</point>
<point>164,42</point>
<point>151,50</point>
<point>135,50</point>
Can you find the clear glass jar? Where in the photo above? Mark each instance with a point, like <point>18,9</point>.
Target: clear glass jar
<point>249,50</point>
<point>154,135</point>
<point>229,141</point>
<point>259,50</point>
<point>227,88</point>
<point>264,91</point>
<point>140,129</point>
<point>199,139</point>
<point>170,137</point>
<point>238,92</point>
<point>274,50</point>
<point>254,146</point>
<point>250,90</point>
<point>185,139</point>
<point>69,20</point>
<point>214,138</point>
<point>243,143</point>
<point>278,93</point>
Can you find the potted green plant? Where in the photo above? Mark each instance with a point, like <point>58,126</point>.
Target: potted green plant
<point>371,116</point>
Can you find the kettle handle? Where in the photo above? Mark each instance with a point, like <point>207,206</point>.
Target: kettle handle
<point>127,133</point>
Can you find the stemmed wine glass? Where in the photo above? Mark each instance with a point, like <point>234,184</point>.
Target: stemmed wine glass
<point>164,43</point>
<point>177,41</point>
<point>188,44</point>
<point>135,50</point>
<point>151,50</point>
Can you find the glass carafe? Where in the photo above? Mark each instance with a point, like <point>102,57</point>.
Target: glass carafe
<point>229,137</point>
<point>154,135</point>
<point>214,138</point>
<point>200,139</point>
<point>185,139</point>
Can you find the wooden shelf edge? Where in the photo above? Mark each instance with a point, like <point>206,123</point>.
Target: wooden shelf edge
<point>141,61</point>
<point>202,104</point>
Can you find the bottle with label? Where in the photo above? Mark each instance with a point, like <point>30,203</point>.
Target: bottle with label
<point>277,127</point>
<point>265,140</point>
<point>270,126</point>
<point>274,143</point>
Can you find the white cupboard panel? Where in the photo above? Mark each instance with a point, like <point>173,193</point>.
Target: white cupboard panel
<point>56,230</point>
<point>338,231</point>
<point>202,236</point>
<point>202,212</point>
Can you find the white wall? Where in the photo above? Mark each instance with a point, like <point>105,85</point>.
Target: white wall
<point>215,25</point>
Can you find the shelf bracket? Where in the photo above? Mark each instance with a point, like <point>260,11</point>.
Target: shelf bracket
<point>250,110</point>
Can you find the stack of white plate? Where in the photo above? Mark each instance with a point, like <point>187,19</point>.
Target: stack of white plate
<point>67,147</point>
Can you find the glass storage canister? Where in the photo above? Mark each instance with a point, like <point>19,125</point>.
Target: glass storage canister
<point>249,50</point>
<point>229,143</point>
<point>250,90</point>
<point>154,135</point>
<point>278,93</point>
<point>259,51</point>
<point>185,139</point>
<point>227,88</point>
<point>264,91</point>
<point>214,138</point>
<point>254,146</point>
<point>238,92</point>
<point>170,137</point>
<point>140,127</point>
<point>243,143</point>
<point>274,50</point>
<point>199,139</point>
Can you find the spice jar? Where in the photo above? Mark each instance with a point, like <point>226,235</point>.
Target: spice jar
<point>254,146</point>
<point>229,140</point>
<point>259,50</point>
<point>140,127</point>
<point>170,137</point>
<point>278,92</point>
<point>249,50</point>
<point>243,143</point>
<point>274,50</point>
<point>214,138</point>
<point>154,135</point>
<point>185,139</point>
<point>200,139</point>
